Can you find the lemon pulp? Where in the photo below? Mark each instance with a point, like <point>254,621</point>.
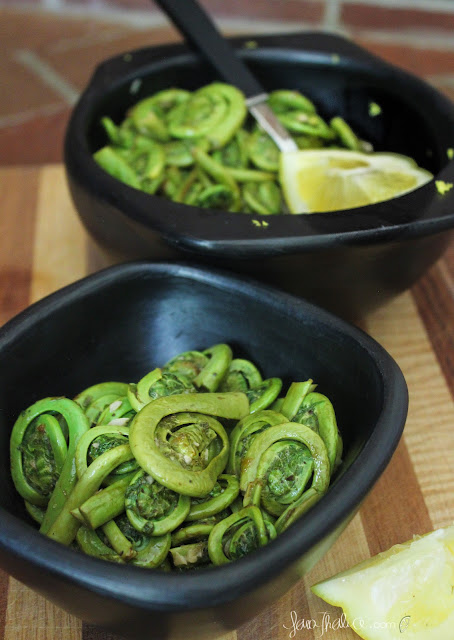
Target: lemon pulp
<point>406,592</point>
<point>334,179</point>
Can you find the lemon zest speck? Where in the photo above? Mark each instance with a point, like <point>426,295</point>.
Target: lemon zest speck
<point>443,187</point>
<point>374,109</point>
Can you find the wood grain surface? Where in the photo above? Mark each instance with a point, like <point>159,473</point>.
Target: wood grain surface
<point>44,247</point>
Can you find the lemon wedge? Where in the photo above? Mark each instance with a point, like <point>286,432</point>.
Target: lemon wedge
<point>334,179</point>
<point>406,592</point>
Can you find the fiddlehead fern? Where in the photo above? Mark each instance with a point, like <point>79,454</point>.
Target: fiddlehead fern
<point>105,504</point>
<point>235,153</point>
<point>35,512</point>
<point>236,536</point>
<point>179,442</point>
<point>91,543</point>
<point>112,162</point>
<point>242,375</point>
<point>283,100</point>
<point>149,551</point>
<point>219,359</point>
<point>153,508</point>
<point>204,369</point>
<point>147,487</point>
<point>259,462</point>
<point>38,458</point>
<point>157,384</point>
<point>345,134</point>
<point>95,442</point>
<point>119,413</point>
<point>224,492</point>
<point>114,389</point>
<point>218,173</point>
<point>285,469</point>
<point>190,556</point>
<point>99,397</point>
<point>148,115</point>
<point>189,548</point>
<point>216,111</point>
<point>318,413</point>
<point>244,433</point>
<point>293,400</point>
<point>74,423</point>
<point>264,394</point>
<point>65,526</point>
<point>143,551</point>
<point>234,164</point>
<point>263,152</point>
<point>262,197</point>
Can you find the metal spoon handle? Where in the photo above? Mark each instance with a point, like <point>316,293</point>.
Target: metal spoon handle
<point>200,32</point>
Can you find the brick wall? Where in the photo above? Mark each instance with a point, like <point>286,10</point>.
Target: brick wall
<point>347,15</point>
<point>51,47</point>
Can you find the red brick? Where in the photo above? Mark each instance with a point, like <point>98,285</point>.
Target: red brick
<point>78,66</point>
<point>22,90</point>
<point>35,30</point>
<point>362,16</point>
<point>282,10</point>
<point>37,141</point>
<point>421,61</point>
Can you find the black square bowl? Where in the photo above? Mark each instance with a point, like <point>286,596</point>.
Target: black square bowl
<point>119,324</point>
<point>349,262</point>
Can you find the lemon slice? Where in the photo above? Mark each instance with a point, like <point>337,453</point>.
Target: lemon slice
<point>335,179</point>
<point>406,592</point>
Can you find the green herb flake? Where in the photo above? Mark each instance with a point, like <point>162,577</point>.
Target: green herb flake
<point>256,222</point>
<point>443,187</point>
<point>450,153</point>
<point>265,224</point>
<point>251,44</point>
<point>374,109</point>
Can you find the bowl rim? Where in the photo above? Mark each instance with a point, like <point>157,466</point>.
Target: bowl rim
<point>224,234</point>
<point>152,590</point>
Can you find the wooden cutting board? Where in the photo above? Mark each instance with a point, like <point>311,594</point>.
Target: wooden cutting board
<point>44,247</point>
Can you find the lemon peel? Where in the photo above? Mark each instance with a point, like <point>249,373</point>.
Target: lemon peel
<point>319,180</point>
<point>404,592</point>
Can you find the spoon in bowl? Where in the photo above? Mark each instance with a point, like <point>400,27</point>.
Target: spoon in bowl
<point>201,33</point>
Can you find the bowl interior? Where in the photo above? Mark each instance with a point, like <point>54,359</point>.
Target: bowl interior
<point>120,324</point>
<point>344,86</point>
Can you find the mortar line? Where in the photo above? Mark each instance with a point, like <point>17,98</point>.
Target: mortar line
<point>47,74</point>
<point>433,38</point>
<point>439,6</point>
<point>331,16</point>
<point>421,39</point>
<point>16,119</point>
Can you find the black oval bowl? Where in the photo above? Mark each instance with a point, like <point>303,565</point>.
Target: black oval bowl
<point>349,262</point>
<point>126,320</point>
